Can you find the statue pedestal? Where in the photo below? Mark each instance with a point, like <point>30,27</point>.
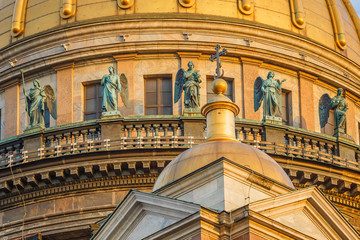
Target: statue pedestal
<point>35,128</point>
<point>33,137</point>
<point>192,112</point>
<point>109,115</point>
<point>272,120</point>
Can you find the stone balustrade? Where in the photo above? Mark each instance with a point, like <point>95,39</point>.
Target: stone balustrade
<point>172,132</point>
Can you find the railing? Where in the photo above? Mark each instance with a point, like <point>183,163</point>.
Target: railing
<point>148,133</point>
<point>168,142</point>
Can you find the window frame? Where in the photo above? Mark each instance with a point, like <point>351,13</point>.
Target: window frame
<point>98,110</point>
<point>158,106</point>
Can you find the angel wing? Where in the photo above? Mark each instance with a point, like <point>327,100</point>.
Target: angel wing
<point>179,83</point>
<point>258,94</point>
<point>124,93</point>
<point>324,108</point>
<point>51,100</point>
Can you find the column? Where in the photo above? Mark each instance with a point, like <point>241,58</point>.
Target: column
<point>64,93</point>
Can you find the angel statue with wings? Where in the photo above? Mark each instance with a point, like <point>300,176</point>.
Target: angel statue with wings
<point>189,82</point>
<point>269,92</point>
<point>339,105</point>
<point>112,84</point>
<point>35,103</point>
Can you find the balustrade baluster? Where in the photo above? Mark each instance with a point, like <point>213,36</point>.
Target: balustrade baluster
<point>245,134</point>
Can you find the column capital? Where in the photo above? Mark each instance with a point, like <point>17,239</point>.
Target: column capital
<point>307,76</point>
<point>64,67</point>
<point>251,61</point>
<point>123,57</point>
<point>196,55</point>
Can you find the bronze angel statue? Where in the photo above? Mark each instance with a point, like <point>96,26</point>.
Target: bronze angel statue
<point>339,105</point>
<point>114,83</point>
<point>268,91</point>
<point>35,102</point>
<point>189,82</point>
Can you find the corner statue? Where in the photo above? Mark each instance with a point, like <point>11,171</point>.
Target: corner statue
<point>112,84</point>
<point>269,92</point>
<point>339,105</point>
<point>189,81</point>
<point>35,103</point>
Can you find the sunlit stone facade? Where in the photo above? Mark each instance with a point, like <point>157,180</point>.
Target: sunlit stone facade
<point>71,175</point>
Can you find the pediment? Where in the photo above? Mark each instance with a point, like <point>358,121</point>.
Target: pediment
<point>309,212</point>
<point>141,214</point>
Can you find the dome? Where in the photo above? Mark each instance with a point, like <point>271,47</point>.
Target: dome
<point>235,151</point>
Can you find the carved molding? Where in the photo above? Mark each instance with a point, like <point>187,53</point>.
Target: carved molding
<point>186,3</point>
<point>297,13</point>
<point>337,24</point>
<point>125,4</point>
<point>246,6</point>
<point>18,20</point>
<point>68,8</point>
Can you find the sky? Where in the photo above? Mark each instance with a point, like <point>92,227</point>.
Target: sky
<point>356,4</point>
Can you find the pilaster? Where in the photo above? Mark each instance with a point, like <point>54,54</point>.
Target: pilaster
<point>12,98</point>
<point>306,93</point>
<point>351,125</point>
<point>126,64</point>
<point>250,72</point>
<point>64,89</point>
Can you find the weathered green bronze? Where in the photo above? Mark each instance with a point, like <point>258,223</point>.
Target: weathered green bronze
<point>189,82</point>
<point>339,105</point>
<point>269,92</point>
<point>35,103</point>
<point>112,84</point>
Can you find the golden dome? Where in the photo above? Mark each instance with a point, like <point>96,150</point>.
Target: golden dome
<point>201,155</point>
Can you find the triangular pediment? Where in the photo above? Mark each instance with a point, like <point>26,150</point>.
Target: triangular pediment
<point>307,211</point>
<point>141,214</point>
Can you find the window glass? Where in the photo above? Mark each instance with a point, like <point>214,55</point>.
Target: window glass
<point>93,101</point>
<point>158,95</point>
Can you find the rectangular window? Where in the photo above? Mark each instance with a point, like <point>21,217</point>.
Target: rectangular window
<point>285,113</point>
<point>285,107</point>
<point>93,100</point>
<point>329,127</point>
<point>229,91</point>
<point>158,95</point>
